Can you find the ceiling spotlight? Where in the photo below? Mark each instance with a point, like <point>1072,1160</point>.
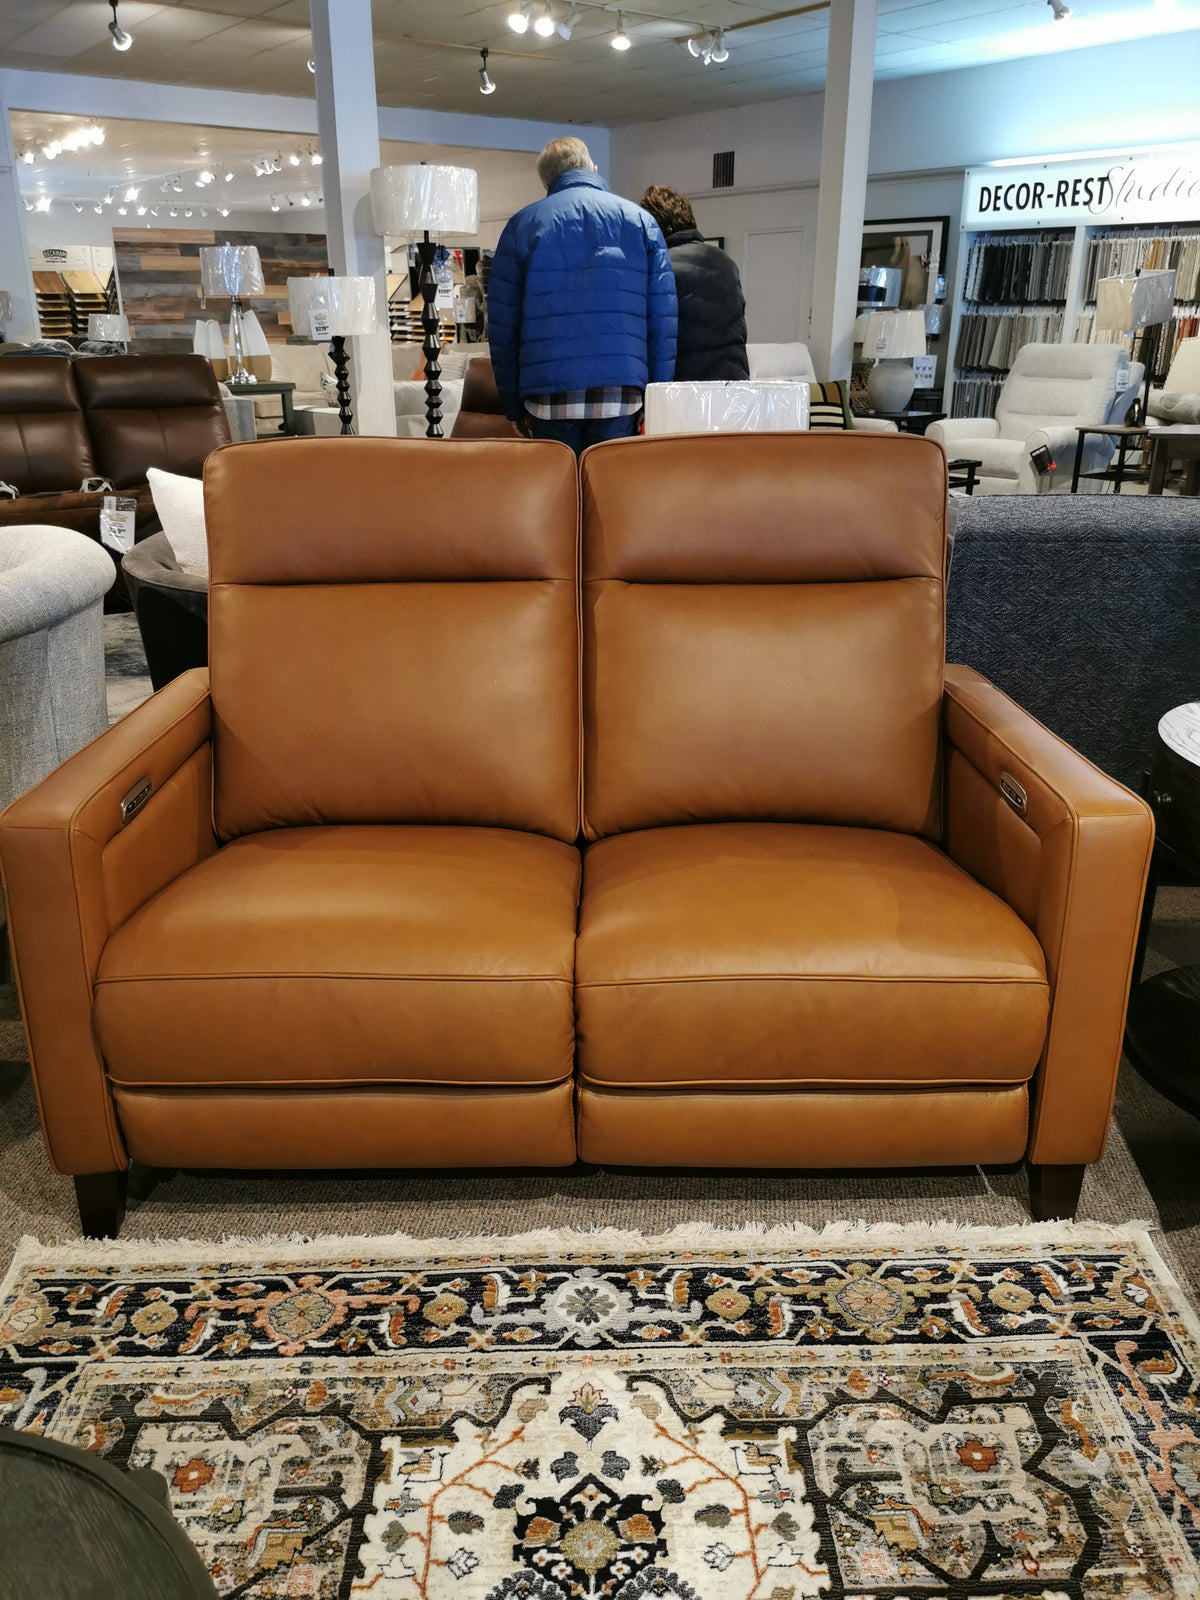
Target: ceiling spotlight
<point>77,206</point>
<point>203,211</point>
<point>620,39</point>
<point>544,26</point>
<point>50,151</point>
<point>224,211</point>
<point>121,40</point>
<point>28,206</point>
<point>122,211</point>
<point>274,204</point>
<point>719,53</point>
<point>518,17</point>
<point>187,211</point>
<point>177,184</point>
<point>207,176</point>
<point>98,209</point>
<point>277,164</point>
<point>228,176</point>
<point>28,157</point>
<point>131,193</point>
<point>566,25</point>
<point>173,212</point>
<point>141,211</point>
<point>293,160</point>
<point>304,200</point>
<point>311,65</point>
<point>1061,11</point>
<point>153,211</point>
<point>43,203</point>
<point>486,86</point>
<point>109,198</point>
<point>315,158</point>
<point>165,186</point>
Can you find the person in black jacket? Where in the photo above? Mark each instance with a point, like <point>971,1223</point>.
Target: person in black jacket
<point>711,341</point>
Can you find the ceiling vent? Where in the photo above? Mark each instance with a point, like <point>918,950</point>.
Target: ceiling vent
<point>723,170</point>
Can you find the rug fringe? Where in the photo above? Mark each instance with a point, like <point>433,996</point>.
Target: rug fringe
<point>696,1235</point>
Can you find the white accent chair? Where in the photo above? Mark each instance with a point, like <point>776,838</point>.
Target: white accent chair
<point>1050,390</point>
<point>1179,398</point>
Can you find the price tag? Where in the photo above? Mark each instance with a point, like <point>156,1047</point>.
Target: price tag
<point>117,516</point>
<point>445,297</point>
<point>318,323</point>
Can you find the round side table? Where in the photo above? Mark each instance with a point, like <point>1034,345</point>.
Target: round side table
<point>73,1527</point>
<point>1162,1033</point>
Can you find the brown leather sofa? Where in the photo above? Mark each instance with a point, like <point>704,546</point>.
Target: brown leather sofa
<point>734,872</point>
<point>107,417</point>
<point>481,415</point>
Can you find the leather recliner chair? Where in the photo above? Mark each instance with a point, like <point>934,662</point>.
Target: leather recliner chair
<point>841,906</point>
<point>107,417</point>
<point>481,415</point>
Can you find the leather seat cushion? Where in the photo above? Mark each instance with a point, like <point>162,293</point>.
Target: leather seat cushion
<point>350,955</point>
<point>782,954</point>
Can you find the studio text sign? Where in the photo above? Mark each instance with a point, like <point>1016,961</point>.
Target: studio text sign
<point>1155,186</point>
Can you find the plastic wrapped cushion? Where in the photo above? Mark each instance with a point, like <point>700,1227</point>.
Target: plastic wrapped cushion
<point>726,407</point>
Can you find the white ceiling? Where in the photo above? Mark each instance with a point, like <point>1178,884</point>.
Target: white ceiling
<point>145,155</point>
<point>425,53</point>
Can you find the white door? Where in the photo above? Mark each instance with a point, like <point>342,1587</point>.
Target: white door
<point>772,278</point>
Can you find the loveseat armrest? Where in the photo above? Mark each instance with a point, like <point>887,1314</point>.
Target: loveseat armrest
<point>1070,853</point>
<point>74,869</point>
<point>953,431</point>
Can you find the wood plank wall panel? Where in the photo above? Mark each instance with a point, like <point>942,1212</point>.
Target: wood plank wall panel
<point>158,270</point>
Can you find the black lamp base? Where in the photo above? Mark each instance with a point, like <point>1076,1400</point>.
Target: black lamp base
<point>431,345</point>
<point>337,352</point>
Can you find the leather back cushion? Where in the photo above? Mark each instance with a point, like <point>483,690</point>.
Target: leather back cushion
<point>764,633</point>
<point>44,444</point>
<point>151,411</point>
<point>394,634</point>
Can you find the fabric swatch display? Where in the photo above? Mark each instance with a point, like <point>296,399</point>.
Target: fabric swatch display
<point>976,397</point>
<point>992,338</point>
<point>1018,271</point>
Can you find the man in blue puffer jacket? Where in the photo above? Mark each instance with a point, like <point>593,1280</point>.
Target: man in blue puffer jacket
<point>581,306</point>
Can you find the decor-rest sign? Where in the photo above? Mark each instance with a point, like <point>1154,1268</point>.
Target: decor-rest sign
<point>1158,187</point>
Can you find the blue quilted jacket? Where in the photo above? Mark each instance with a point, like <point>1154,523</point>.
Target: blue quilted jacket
<point>581,295</point>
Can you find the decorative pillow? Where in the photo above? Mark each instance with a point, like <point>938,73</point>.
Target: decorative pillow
<point>828,408</point>
<point>179,502</point>
<point>1175,407</point>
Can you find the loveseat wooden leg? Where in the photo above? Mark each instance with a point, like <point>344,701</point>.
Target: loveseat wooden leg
<point>1054,1191</point>
<point>100,1197</point>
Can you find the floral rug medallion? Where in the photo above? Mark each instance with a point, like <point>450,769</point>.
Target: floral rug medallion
<point>864,1414</point>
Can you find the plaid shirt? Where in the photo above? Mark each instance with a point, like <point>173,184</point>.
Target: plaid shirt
<point>583,405</point>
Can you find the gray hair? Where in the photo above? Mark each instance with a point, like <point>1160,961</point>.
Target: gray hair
<point>562,155</point>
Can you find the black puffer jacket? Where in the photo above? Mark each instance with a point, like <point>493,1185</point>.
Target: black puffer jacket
<point>711,342</point>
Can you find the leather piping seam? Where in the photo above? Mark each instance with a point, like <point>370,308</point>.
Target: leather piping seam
<point>809,1085</point>
<point>290,1086</point>
<point>801,1092</point>
<point>354,977</point>
<point>802,977</point>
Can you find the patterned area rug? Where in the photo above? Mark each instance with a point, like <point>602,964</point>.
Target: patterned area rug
<point>865,1414</point>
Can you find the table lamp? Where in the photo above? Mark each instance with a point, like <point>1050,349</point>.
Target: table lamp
<point>335,309</point>
<point>108,328</point>
<point>234,270</point>
<point>1141,302</point>
<point>425,200</point>
<point>891,339</point>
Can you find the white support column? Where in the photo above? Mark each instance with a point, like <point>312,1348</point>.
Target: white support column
<point>348,126</point>
<point>841,204</point>
<point>16,275</point>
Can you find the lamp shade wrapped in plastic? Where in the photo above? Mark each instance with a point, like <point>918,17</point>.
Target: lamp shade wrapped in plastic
<point>754,407</point>
<point>1135,302</point>
<point>108,327</point>
<point>230,269</point>
<point>416,199</point>
<point>894,335</point>
<point>327,308</point>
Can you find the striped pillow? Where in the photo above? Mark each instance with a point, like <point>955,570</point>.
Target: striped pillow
<point>827,408</point>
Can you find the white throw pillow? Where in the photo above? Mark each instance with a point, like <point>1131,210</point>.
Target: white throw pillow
<point>179,502</point>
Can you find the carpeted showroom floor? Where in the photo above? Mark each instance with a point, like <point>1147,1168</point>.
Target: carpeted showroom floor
<point>1151,1171</point>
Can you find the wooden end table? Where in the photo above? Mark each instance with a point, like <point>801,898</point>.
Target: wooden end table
<point>1127,439</point>
<point>1162,1033</point>
<point>259,391</point>
<point>1174,443</point>
<point>71,1526</point>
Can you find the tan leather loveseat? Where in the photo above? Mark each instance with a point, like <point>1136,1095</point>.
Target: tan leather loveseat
<point>833,905</point>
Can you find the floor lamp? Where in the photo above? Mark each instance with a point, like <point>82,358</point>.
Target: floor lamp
<point>426,204</point>
<point>234,270</point>
<point>1137,304</point>
<point>336,309</point>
